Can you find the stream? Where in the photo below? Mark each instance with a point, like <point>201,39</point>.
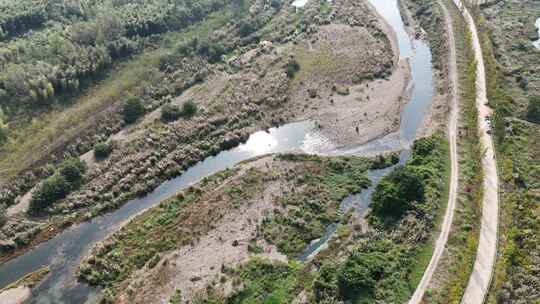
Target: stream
<point>64,252</point>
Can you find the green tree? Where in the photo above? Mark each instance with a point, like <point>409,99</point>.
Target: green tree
<point>51,190</point>
<point>189,108</point>
<point>103,149</point>
<point>170,112</point>
<point>533,109</point>
<point>67,177</point>
<point>397,191</point>
<point>246,27</point>
<point>72,169</point>
<point>291,68</point>
<point>4,132</point>
<point>3,216</point>
<point>133,109</point>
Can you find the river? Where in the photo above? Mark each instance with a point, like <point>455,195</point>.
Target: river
<point>63,252</point>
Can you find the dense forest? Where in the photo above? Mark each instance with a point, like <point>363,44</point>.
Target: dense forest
<point>50,49</point>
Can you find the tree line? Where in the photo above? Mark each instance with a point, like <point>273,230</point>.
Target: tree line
<point>57,45</point>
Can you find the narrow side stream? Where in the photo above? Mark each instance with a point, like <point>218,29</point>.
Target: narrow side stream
<point>64,252</point>
<point>419,55</point>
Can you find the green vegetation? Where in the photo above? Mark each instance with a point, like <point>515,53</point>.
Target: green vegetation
<point>4,135</point>
<point>292,67</point>
<point>266,281</point>
<point>372,267</point>
<point>170,112</point>
<point>78,42</point>
<point>189,108</point>
<point>176,298</point>
<point>314,203</point>
<point>319,185</point>
<point>67,177</point>
<point>3,217</point>
<point>382,264</point>
<point>103,149</point>
<point>463,239</point>
<point>398,192</point>
<point>533,110</point>
<point>37,141</point>
<point>364,273</point>
<point>132,110</point>
<point>511,64</point>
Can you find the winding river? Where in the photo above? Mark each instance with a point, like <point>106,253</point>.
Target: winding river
<point>64,252</point>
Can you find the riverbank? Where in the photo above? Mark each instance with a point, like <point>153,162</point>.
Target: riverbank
<point>19,291</point>
<point>251,91</point>
<point>266,217</point>
<point>270,207</point>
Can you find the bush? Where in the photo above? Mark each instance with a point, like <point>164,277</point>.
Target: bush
<point>246,28</point>
<point>3,218</point>
<point>423,146</point>
<point>533,109</point>
<point>211,50</point>
<point>275,4</point>
<point>291,68</point>
<point>67,177</point>
<point>170,112</point>
<point>133,109</point>
<point>103,149</point>
<point>189,108</point>
<point>3,128</point>
<point>72,169</point>
<point>51,190</point>
<point>397,191</point>
<point>3,133</point>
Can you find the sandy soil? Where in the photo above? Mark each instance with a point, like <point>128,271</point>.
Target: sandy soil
<point>227,245</point>
<point>15,295</point>
<point>369,110</point>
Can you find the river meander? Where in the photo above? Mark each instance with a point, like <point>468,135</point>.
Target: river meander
<point>63,252</point>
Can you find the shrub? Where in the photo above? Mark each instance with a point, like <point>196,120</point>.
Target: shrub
<point>3,218</point>
<point>423,146</point>
<point>397,191</point>
<point>67,177</point>
<point>170,112</point>
<point>3,133</point>
<point>210,50</point>
<point>133,109</point>
<point>533,109</point>
<point>3,128</point>
<point>246,28</point>
<point>189,108</point>
<point>103,149</point>
<point>291,68</point>
<point>51,190</point>
<point>72,169</point>
<point>275,4</point>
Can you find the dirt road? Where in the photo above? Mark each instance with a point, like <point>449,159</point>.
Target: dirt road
<point>452,140</point>
<point>480,279</point>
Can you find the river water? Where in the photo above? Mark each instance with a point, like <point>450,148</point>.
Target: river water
<point>64,252</point>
